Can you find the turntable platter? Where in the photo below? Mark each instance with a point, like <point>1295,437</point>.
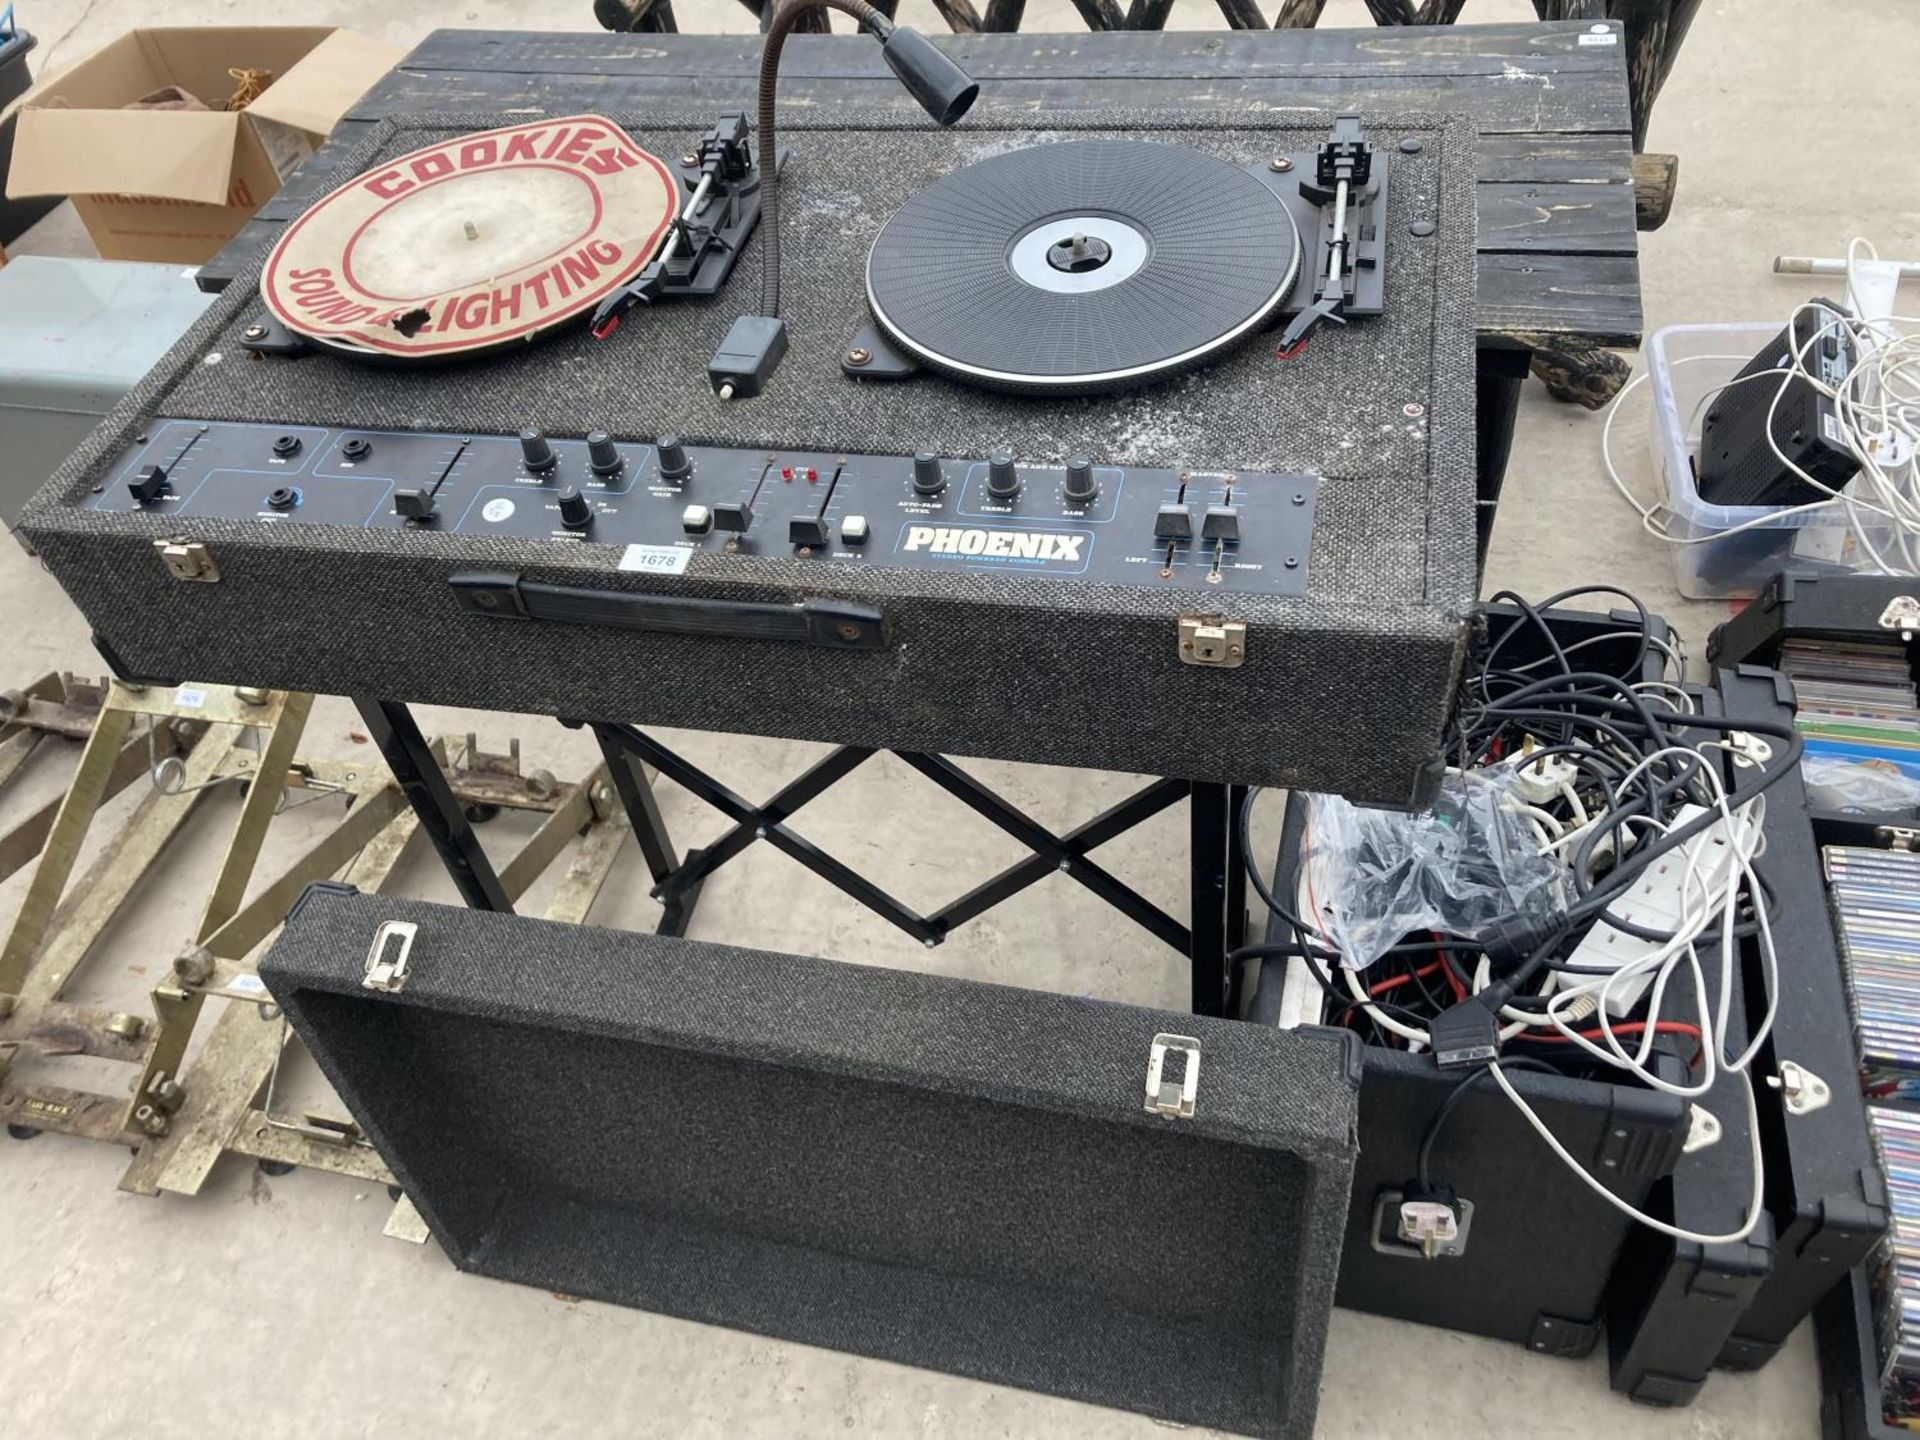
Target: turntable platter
<point>1081,266</point>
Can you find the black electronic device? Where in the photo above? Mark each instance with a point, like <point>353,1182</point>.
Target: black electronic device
<point>1673,1305</point>
<point>1227,574</point>
<point>1760,432</point>
<point>1798,612</point>
<point>1505,1275</point>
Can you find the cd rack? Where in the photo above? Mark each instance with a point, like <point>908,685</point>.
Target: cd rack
<point>1839,634</point>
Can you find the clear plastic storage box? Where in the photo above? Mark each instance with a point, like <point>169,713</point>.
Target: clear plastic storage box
<point>1686,364</point>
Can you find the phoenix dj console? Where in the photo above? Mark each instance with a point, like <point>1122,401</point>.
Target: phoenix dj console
<point>1130,441</point>
<point>662,501</point>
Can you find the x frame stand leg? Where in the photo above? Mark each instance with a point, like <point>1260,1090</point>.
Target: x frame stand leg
<point>442,818</point>
<point>1217,890</point>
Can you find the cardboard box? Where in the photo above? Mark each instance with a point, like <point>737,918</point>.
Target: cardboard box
<point>171,185</point>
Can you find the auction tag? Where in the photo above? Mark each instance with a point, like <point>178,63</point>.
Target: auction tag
<point>657,559</point>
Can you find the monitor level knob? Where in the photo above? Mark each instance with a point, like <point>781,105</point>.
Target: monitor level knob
<point>576,511</point>
<point>674,464</point>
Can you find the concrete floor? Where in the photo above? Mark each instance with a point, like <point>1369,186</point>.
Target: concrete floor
<point>276,1307</point>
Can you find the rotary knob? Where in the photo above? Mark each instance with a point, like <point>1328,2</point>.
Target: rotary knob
<point>1003,479</point>
<point>928,477</point>
<point>674,464</point>
<point>535,453</point>
<point>576,511</point>
<point>1081,487</point>
<point>603,456</point>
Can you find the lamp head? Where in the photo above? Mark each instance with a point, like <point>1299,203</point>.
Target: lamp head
<point>944,90</point>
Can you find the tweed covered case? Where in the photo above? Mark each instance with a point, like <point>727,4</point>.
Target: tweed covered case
<point>927,1170</point>
<point>1344,688</point>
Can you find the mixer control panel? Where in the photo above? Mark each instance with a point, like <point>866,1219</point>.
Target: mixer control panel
<point>662,500</point>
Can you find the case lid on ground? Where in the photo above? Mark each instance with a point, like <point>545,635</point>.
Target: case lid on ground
<point>948,1174</point>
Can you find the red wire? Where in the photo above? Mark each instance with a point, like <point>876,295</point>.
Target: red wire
<point>1631,1027</point>
<point>1385,985</point>
<point>1454,982</point>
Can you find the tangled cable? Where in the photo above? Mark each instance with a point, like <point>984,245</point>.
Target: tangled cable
<point>1645,788</point>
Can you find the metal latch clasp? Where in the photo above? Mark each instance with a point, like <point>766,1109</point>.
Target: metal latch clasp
<point>1801,1091</point>
<point>1212,640</point>
<point>387,959</point>
<point>1172,1098</point>
<point>188,559</point>
<point>1902,614</point>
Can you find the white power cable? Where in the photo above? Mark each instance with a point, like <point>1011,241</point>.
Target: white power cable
<point>1743,829</point>
<point>1756,1203</point>
<point>1877,419</point>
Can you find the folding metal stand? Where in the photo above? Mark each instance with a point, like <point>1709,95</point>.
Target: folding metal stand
<point>1217,887</point>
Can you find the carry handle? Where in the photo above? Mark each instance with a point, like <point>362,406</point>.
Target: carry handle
<point>834,624</point>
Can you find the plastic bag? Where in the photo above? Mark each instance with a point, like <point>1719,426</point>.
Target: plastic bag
<point>1372,877</point>
<point>1866,785</point>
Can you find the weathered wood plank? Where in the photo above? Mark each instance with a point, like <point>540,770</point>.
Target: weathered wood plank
<point>1418,50</point>
<point>1655,178</point>
<point>1591,297</point>
<point>1519,104</point>
<point>1514,158</point>
<point>1562,219</point>
<point>1553,159</point>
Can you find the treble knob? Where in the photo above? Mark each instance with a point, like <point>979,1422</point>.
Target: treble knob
<point>576,511</point>
<point>928,477</point>
<point>603,456</point>
<point>674,464</point>
<point>535,452</point>
<point>1081,487</point>
<point>1003,479</point>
